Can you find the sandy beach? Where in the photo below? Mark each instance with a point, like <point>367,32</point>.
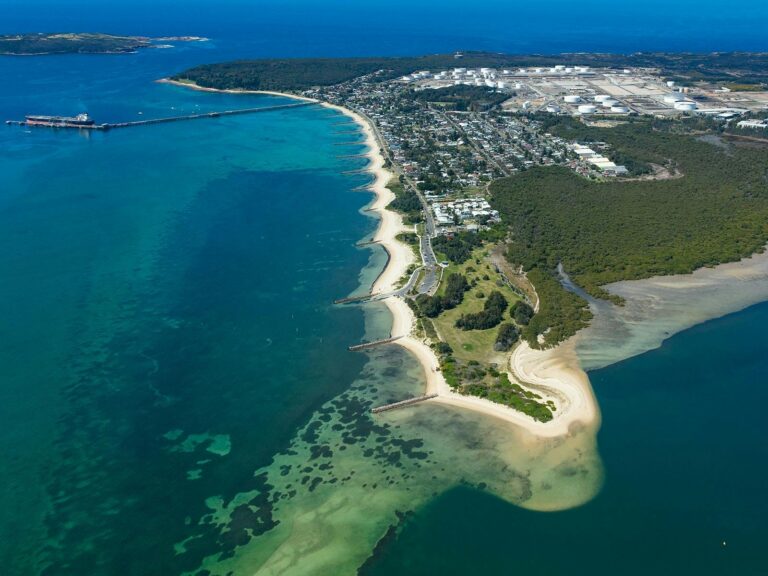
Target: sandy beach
<point>554,374</point>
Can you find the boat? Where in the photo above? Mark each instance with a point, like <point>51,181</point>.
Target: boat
<point>79,121</point>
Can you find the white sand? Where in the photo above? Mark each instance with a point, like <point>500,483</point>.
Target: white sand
<point>554,374</point>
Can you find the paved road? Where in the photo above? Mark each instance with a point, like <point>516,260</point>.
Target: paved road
<point>429,261</point>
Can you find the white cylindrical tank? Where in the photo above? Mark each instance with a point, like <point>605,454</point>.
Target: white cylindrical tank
<point>518,86</point>
<point>672,98</point>
<point>670,83</point>
<point>608,103</point>
<point>685,106</point>
<point>587,109</point>
<point>572,99</point>
<point>569,70</point>
<point>619,109</point>
<point>602,98</point>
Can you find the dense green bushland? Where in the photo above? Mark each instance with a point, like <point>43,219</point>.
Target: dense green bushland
<point>608,231</point>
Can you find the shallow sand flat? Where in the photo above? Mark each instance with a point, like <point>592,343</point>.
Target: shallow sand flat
<point>658,307</point>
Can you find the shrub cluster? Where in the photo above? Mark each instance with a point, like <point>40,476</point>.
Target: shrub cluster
<point>492,314</point>
<point>521,313</point>
<point>506,338</point>
<point>455,287</point>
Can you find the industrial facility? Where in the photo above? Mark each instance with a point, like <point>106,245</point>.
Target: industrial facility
<point>585,91</point>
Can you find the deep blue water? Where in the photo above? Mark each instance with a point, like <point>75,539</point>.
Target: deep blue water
<point>170,287</point>
<point>338,27</point>
<point>683,443</point>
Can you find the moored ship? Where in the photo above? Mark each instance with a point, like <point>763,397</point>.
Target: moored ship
<point>79,121</point>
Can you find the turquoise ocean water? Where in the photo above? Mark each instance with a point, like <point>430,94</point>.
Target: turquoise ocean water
<point>169,350</point>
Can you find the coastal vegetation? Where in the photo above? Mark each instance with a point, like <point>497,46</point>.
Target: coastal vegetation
<point>473,379</point>
<point>406,202</point>
<point>464,321</point>
<point>613,230</point>
<point>458,248</point>
<point>37,44</point>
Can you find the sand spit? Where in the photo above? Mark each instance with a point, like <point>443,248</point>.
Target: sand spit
<point>552,373</point>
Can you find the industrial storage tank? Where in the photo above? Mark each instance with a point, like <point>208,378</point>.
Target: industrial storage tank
<point>619,109</point>
<point>587,109</point>
<point>601,97</point>
<point>572,99</point>
<point>608,103</point>
<point>672,98</point>
<point>685,106</point>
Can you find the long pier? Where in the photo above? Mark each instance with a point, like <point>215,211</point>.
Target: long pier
<point>402,403</point>
<point>366,345</point>
<point>112,126</point>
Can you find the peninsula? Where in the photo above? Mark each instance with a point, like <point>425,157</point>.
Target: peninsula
<point>524,184</point>
<point>81,43</point>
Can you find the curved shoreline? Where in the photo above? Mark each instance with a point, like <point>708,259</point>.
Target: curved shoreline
<point>555,372</point>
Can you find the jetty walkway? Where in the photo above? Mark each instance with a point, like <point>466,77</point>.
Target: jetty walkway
<point>366,345</point>
<point>402,403</point>
<point>115,125</point>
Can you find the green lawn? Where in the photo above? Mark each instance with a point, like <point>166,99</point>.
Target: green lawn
<point>474,344</point>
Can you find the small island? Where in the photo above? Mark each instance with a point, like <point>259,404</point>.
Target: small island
<point>40,44</point>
